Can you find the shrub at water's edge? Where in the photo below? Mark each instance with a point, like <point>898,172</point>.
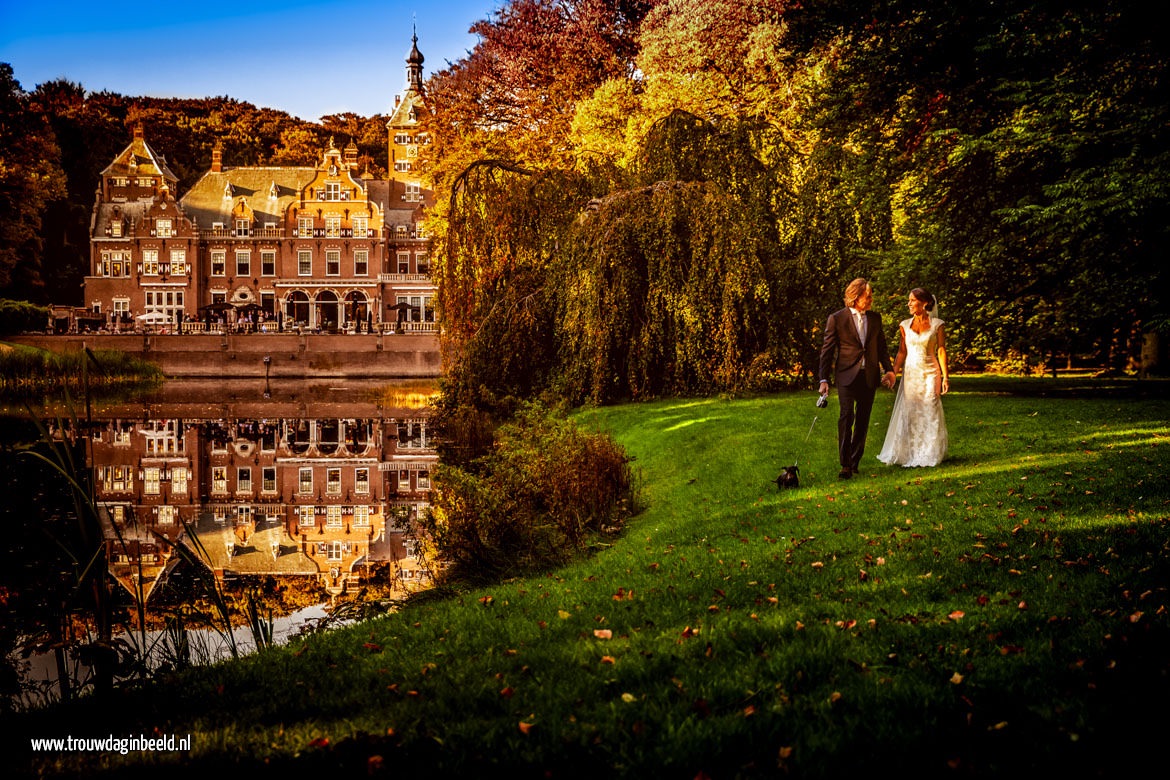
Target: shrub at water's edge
<point>28,371</point>
<point>545,490</point>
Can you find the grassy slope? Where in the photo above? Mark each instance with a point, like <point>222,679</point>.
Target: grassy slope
<point>1000,614</point>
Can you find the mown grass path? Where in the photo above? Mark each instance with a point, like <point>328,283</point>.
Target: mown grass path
<point>1001,615</point>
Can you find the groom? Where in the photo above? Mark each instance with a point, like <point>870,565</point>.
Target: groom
<point>855,342</point>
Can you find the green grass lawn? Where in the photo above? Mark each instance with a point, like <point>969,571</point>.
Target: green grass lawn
<point>1001,615</point>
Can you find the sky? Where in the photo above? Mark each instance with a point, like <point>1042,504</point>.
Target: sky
<point>309,58</point>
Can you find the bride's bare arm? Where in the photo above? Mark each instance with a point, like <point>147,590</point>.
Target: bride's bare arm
<point>942,359</point>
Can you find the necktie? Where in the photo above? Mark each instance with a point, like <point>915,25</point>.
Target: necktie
<point>859,318</point>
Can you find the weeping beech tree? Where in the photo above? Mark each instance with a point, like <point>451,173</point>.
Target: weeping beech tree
<point>677,284</point>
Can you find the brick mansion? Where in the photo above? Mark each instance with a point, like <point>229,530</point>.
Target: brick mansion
<point>322,248</point>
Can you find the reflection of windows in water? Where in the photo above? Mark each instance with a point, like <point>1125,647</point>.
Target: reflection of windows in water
<point>268,485</point>
<point>116,478</point>
<point>333,517</point>
<point>412,434</point>
<point>219,514</point>
<point>361,480</point>
<point>424,480</point>
<point>333,482</point>
<point>336,550</point>
<point>243,513</point>
<point>219,479</point>
<point>361,515</point>
<point>166,515</point>
<point>179,480</point>
<point>244,480</point>
<point>150,481</point>
<point>328,435</point>
<point>268,436</point>
<point>305,481</point>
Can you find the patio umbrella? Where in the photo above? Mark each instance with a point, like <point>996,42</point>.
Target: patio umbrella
<point>153,317</point>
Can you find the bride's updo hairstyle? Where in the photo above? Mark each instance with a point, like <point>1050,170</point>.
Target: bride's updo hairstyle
<point>924,296</point>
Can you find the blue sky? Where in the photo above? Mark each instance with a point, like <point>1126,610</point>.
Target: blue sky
<point>307,57</point>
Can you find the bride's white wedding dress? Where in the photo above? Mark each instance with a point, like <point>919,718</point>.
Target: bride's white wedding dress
<point>917,435</point>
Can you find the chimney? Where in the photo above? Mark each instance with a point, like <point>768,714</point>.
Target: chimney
<point>217,159</point>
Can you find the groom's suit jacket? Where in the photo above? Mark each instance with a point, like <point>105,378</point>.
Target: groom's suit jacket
<point>843,344</point>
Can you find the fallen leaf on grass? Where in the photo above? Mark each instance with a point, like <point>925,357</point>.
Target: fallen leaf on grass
<point>956,678</point>
<point>608,659</point>
<point>525,727</point>
<point>958,614</point>
<point>319,742</point>
<point>603,633</point>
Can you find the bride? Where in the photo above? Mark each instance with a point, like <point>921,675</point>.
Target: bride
<point>917,435</point>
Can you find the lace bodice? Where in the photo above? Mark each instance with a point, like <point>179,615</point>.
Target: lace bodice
<point>917,435</point>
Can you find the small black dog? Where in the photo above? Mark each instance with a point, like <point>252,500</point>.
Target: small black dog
<point>789,478</point>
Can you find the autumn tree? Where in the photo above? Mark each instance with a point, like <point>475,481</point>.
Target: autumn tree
<point>30,179</point>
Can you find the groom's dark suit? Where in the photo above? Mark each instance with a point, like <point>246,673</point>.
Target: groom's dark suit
<point>855,385</point>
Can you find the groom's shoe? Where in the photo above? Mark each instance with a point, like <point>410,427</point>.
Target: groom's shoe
<point>845,473</point>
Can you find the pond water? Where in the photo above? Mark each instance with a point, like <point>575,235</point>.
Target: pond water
<point>314,482</point>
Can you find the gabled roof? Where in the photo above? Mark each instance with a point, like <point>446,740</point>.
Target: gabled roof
<point>138,159</point>
<point>205,202</point>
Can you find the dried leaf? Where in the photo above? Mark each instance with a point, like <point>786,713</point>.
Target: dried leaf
<point>603,633</point>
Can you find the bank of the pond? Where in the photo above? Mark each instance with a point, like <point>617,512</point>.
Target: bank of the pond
<point>266,355</point>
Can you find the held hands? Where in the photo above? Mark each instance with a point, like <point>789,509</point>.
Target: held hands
<point>889,380</point>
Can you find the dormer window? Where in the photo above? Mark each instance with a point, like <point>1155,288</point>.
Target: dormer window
<point>273,191</point>
<point>228,191</point>
<point>162,228</point>
<point>116,228</point>
<point>243,228</point>
<point>332,190</point>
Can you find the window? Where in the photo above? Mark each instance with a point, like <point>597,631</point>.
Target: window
<point>332,226</point>
<point>244,480</point>
<point>361,515</point>
<point>404,480</point>
<point>336,551</point>
<point>150,262</point>
<point>179,262</point>
<point>145,181</point>
<point>121,308</point>
<point>332,190</point>
<point>421,264</point>
<point>306,515</point>
<point>361,227</point>
<point>361,480</point>
<point>243,263</point>
<point>243,228</point>
<point>402,166</point>
<point>424,480</point>
<point>116,228</point>
<point>333,482</point>
<point>268,477</point>
<point>150,481</point>
<point>404,262</point>
<point>333,262</point>
<point>333,516</point>
<point>219,263</point>
<point>305,481</point>
<point>304,262</point>
<point>179,480</point>
<point>166,515</point>
<point>361,262</point>
<point>305,227</point>
<point>219,479</point>
<point>413,192</point>
<point>267,262</point>
<point>243,513</point>
<point>163,229</point>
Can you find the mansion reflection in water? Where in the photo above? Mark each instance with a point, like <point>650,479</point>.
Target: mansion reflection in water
<point>331,498</point>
